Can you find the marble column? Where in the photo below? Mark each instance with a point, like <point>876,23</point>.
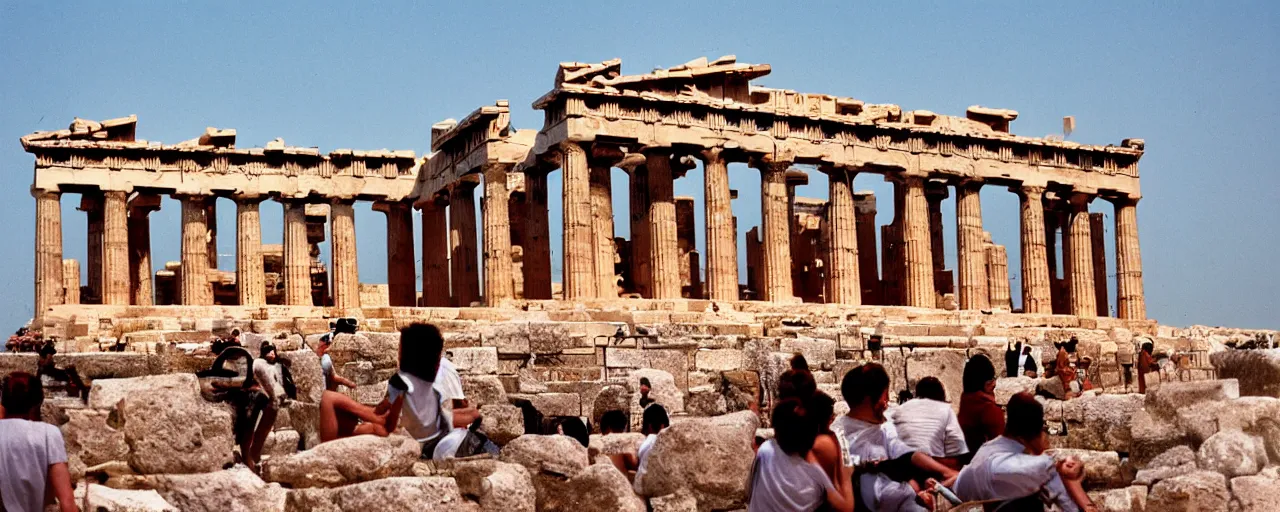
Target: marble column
<point>91,205</point>
<point>346,275</point>
<point>49,280</point>
<point>435,253</point>
<point>997,268</point>
<point>1130,300</point>
<point>497,235</point>
<point>601,185</point>
<point>297,255</point>
<point>115,248</point>
<point>251,283</point>
<point>970,254</point>
<point>1080,258</point>
<point>1098,247</point>
<point>722,258</point>
<point>195,289</point>
<point>140,275</point>
<point>211,220</point>
<point>868,264</point>
<point>464,271</point>
<point>935,193</point>
<point>918,285</point>
<point>664,249</point>
<point>579,250</point>
<point>639,209</point>
<point>402,276</point>
<point>1035,265</point>
<point>775,244</point>
<point>70,281</point>
<point>537,249</point>
<point>844,280</point>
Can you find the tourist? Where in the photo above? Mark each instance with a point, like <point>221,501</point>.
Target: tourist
<point>232,379</point>
<point>645,388</point>
<point>1146,364</point>
<point>783,479</point>
<point>826,451</point>
<point>268,374</point>
<point>981,419</point>
<point>33,455</point>
<point>574,427</point>
<point>46,368</point>
<point>1028,363</point>
<point>1013,469</point>
<point>889,482</point>
<point>331,378</point>
<point>927,424</point>
<point>613,422</point>
<point>654,420</point>
<point>1012,359</point>
<point>796,383</point>
<point>1066,373</point>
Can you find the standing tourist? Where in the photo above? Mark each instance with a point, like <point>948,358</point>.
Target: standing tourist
<point>783,479</point>
<point>1146,363</point>
<point>268,373</point>
<point>980,418</point>
<point>33,456</point>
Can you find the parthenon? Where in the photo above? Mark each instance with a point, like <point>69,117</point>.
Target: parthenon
<point>655,127</point>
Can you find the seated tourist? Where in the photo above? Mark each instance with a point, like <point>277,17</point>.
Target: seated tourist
<point>575,428</point>
<point>1028,363</point>
<point>927,423</point>
<point>980,418</point>
<point>797,382</point>
<point>654,420</point>
<point>331,378</point>
<point>1012,355</point>
<point>783,478</point>
<point>613,422</point>
<point>46,368</point>
<point>1013,469</point>
<point>232,379</point>
<point>268,374</point>
<point>826,451</point>
<point>33,456</point>
<point>890,482</point>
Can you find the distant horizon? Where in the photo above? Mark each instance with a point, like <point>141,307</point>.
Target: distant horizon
<point>1197,84</point>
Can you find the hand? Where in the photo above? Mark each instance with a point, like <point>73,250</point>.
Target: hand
<point>926,498</point>
<point>1071,469</point>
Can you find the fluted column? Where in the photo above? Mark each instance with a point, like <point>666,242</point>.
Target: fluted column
<point>971,257</point>
<point>435,253</point>
<point>537,251</point>
<point>497,235</point>
<point>401,275</point>
<point>464,274</point>
<point>845,285</point>
<point>664,249</point>
<point>603,157</point>
<point>934,194</point>
<point>1099,263</point>
<point>776,233</point>
<point>251,283</point>
<point>140,281</point>
<point>342,234</point>
<point>639,206</point>
<point>918,286</point>
<point>868,266</point>
<point>91,205</point>
<point>1035,265</point>
<point>1130,301</point>
<point>997,268</point>
<point>297,255</point>
<point>579,251</point>
<point>70,281</point>
<point>1080,259</point>
<point>115,248</point>
<point>195,289</point>
<point>722,258</point>
<point>48,265</point>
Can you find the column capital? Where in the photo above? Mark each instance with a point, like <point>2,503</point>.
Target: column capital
<point>1028,191</point>
<point>1123,200</point>
<point>40,192</point>
<point>465,183</point>
<point>936,190</point>
<point>1080,200</point>
<point>143,204</point>
<point>770,163</point>
<point>969,182</point>
<point>248,197</point>
<point>388,207</point>
<point>341,200</point>
<point>605,155</point>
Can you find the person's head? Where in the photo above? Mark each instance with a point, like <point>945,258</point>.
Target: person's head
<point>1026,350</point>
<point>420,348</point>
<point>575,428</point>
<point>798,362</point>
<point>979,375</point>
<point>1148,347</point>
<point>931,388</point>
<point>645,386</point>
<point>46,353</point>
<point>235,334</point>
<point>323,344</point>
<point>655,419</point>
<point>794,427</point>
<point>613,421</point>
<point>22,394</point>
<point>267,351</point>
<point>866,388</point>
<point>1024,422</point>
<point>796,384</point>
<point>821,408</point>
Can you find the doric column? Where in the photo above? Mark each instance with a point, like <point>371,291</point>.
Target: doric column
<point>868,266</point>
<point>70,281</point>
<point>251,283</point>
<point>1099,250</point>
<point>195,289</point>
<point>639,209</point>
<point>115,248</point>
<point>537,249</point>
<point>497,235</point>
<point>892,259</point>
<point>1035,265</point>
<point>997,268</point>
<point>918,286</point>
<point>664,250</point>
<point>971,256</point>
<point>935,193</point>
<point>91,205</point>
<point>1080,258</point>
<point>342,234</point>
<point>775,244</point>
<point>401,275</point>
<point>435,253</point>
<point>140,287</point>
<point>297,255</point>
<point>722,258</point>
<point>48,271</point>
<point>211,220</point>
<point>603,157</point>
<point>464,274</point>
<point>1130,301</point>
<point>844,279</point>
<point>579,249</point>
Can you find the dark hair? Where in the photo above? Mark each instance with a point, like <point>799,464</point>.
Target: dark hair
<point>575,428</point>
<point>1025,417</point>
<point>22,394</point>
<point>798,362</point>
<point>1148,347</point>
<point>613,421</point>
<point>931,388</point>
<point>794,427</point>
<point>265,348</point>
<point>821,408</point>
<point>420,348</point>
<point>977,372</point>
<point>654,416</point>
<point>866,381</point>
<point>48,350</point>
<point>644,381</point>
<point>796,384</point>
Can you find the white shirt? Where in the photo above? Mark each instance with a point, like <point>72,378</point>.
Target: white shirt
<point>326,368</point>
<point>271,378</point>
<point>1002,470</point>
<point>27,449</point>
<point>931,427</point>
<point>868,442</point>
<point>784,482</point>
<point>642,458</point>
<point>427,410</point>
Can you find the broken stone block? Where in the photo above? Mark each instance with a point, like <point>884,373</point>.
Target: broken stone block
<point>232,490</point>
<point>708,457</point>
<point>1257,493</point>
<point>553,404</point>
<point>91,440</point>
<point>397,494</point>
<point>1232,453</point>
<point>501,422</point>
<point>1172,396</point>
<point>105,499</point>
<point>168,426</point>
<point>1198,491</point>
<point>554,454</point>
<point>483,390</point>
<point>346,461</point>
<point>496,485</point>
<point>474,360</point>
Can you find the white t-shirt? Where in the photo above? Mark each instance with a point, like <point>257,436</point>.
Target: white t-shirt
<point>1002,470</point>
<point>27,449</point>
<point>929,426</point>
<point>780,481</point>
<point>271,379</point>
<point>427,410</point>
<point>326,367</point>
<point>868,442</point>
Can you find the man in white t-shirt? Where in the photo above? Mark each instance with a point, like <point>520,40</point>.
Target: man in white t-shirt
<point>33,457</point>
<point>927,424</point>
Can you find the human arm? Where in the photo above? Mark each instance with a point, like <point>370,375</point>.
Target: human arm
<point>840,495</point>
<point>60,487</point>
<point>1071,477</point>
<point>927,463</point>
<point>340,380</point>
<point>464,414</point>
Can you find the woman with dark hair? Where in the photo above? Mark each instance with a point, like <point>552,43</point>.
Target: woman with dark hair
<point>1146,364</point>
<point>826,446</point>
<point>981,419</point>
<point>783,478</point>
<point>33,456</point>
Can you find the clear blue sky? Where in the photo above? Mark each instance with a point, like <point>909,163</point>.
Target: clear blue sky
<point>1198,82</point>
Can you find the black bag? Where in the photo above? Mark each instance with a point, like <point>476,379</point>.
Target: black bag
<point>476,443</point>
<point>290,387</point>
